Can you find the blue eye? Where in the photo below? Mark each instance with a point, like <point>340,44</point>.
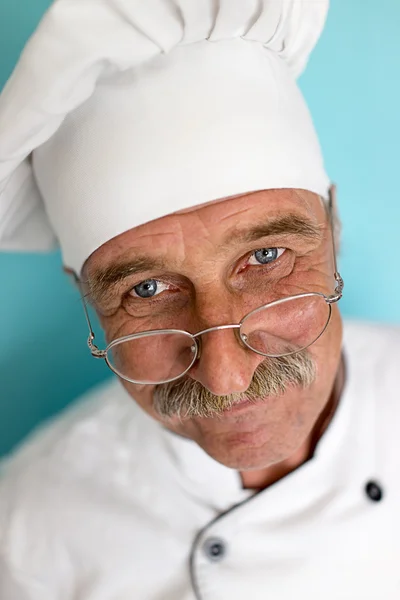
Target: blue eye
<point>146,289</point>
<point>149,288</point>
<point>264,256</point>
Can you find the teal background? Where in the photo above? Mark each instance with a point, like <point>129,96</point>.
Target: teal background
<point>352,86</point>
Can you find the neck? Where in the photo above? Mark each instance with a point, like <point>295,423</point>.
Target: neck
<point>261,479</point>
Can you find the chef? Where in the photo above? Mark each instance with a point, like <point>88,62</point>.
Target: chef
<point>248,445</point>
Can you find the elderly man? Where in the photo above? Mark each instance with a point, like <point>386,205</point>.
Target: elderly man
<point>243,450</point>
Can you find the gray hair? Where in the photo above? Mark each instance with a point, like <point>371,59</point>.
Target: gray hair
<point>188,398</point>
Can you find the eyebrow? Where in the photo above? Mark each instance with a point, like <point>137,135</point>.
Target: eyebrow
<point>102,281</point>
<point>290,224</point>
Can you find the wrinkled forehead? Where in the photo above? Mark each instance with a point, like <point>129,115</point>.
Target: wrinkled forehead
<point>219,222</point>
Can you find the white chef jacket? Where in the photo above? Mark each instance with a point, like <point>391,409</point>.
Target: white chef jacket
<point>105,504</point>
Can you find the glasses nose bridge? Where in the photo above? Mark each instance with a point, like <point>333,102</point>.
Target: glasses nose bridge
<point>215,328</point>
<point>197,336</point>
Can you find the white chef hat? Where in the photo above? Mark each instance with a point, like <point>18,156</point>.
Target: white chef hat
<point>122,111</point>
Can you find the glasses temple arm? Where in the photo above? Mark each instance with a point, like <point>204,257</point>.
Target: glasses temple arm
<point>332,207</point>
<point>96,352</point>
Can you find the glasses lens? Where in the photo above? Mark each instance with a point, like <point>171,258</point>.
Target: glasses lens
<point>287,326</point>
<point>152,358</point>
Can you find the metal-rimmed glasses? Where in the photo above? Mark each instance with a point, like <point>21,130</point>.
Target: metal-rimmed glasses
<point>279,328</point>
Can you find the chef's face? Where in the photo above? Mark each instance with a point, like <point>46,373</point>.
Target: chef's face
<point>211,266</point>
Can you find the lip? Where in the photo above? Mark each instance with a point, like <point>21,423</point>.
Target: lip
<point>243,405</point>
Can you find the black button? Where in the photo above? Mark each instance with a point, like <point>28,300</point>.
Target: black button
<point>214,549</point>
<point>374,491</point>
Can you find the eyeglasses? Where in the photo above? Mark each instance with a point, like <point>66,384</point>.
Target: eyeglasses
<point>276,329</point>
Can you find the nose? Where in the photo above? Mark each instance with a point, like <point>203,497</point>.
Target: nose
<point>225,365</point>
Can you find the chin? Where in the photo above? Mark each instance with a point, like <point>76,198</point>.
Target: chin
<point>244,454</point>
<point>258,436</point>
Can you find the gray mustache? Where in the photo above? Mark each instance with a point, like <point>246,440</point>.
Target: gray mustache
<point>187,398</point>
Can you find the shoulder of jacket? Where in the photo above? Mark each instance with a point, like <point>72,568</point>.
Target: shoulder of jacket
<point>373,356</point>
<point>77,445</point>
<point>373,352</point>
<point>373,345</point>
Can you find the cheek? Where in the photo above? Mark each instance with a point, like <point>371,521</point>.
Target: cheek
<point>327,351</point>
<point>334,333</point>
<point>109,325</point>
<point>315,274</point>
<point>118,325</point>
